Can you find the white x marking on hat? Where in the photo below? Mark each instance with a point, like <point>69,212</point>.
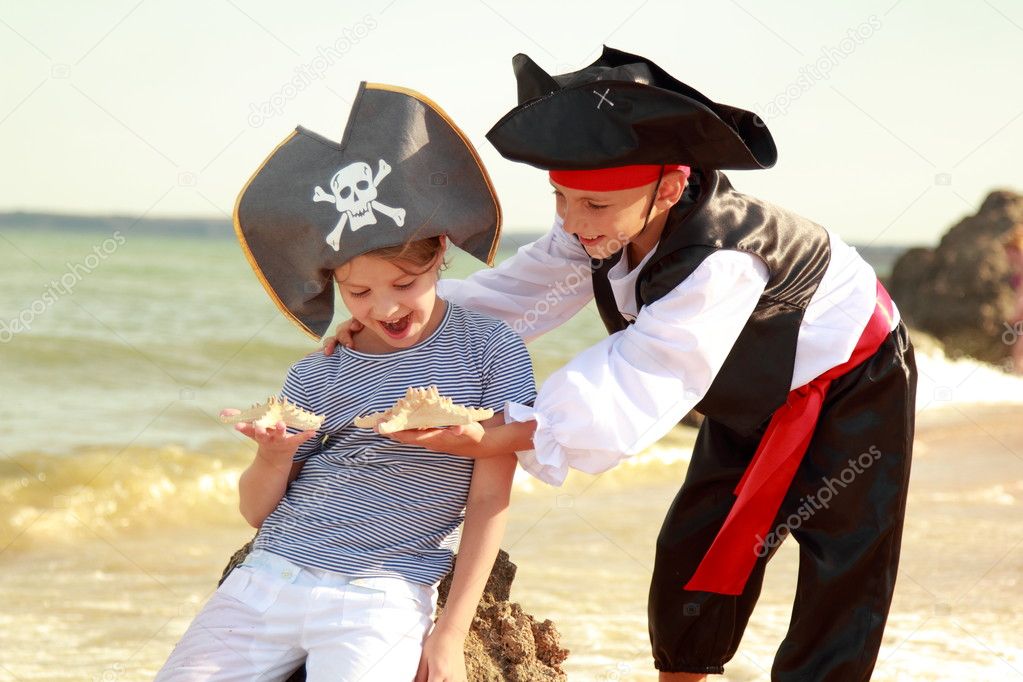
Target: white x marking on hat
<point>603,98</point>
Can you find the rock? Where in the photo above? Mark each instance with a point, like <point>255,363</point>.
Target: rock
<point>959,291</point>
<point>504,642</point>
<point>693,419</point>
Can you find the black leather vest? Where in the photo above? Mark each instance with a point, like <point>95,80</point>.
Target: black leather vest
<point>755,378</point>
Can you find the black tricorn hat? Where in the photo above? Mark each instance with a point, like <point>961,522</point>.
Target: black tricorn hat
<point>623,110</point>
<point>402,171</point>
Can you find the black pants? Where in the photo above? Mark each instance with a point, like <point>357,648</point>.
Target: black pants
<point>845,508</point>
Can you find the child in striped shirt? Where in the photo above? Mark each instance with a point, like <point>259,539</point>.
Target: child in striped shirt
<point>356,529</point>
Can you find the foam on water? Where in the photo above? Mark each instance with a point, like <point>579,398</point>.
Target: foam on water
<point>63,499</point>
<point>945,382</point>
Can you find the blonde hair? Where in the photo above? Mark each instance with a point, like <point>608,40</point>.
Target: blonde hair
<point>420,254</point>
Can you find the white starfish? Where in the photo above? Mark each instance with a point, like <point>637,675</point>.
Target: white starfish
<point>422,408</point>
<point>277,410</point>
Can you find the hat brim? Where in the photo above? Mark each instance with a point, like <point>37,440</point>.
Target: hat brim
<point>624,110</point>
<point>431,182</point>
<point>620,123</point>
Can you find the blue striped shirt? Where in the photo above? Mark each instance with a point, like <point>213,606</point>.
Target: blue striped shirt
<point>365,505</point>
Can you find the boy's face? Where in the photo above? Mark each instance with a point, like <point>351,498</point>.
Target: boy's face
<point>604,221</point>
<point>396,305</point>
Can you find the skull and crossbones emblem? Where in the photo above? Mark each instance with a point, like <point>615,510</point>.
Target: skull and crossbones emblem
<point>353,191</point>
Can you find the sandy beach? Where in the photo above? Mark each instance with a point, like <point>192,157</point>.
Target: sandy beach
<point>108,601</point>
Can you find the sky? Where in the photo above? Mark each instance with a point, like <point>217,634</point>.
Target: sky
<point>893,119</point>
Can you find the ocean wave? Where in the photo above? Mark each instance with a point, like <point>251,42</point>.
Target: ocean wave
<point>58,498</point>
<point>50,496</point>
<point>53,498</point>
<point>178,353</point>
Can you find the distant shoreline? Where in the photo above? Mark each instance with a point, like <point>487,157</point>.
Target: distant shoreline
<point>215,228</point>
<point>881,257</point>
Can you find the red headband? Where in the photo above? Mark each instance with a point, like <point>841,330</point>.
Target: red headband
<point>609,179</point>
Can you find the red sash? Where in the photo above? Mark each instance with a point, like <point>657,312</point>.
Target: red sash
<point>728,563</point>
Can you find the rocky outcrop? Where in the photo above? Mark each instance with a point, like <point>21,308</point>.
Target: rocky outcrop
<point>959,291</point>
<point>505,644</point>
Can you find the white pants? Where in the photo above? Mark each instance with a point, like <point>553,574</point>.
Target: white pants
<point>270,615</point>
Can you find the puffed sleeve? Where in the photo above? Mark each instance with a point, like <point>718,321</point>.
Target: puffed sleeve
<point>623,394</point>
<point>544,284</point>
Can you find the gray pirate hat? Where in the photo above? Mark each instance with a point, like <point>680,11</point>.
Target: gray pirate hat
<point>622,110</point>
<point>402,171</point>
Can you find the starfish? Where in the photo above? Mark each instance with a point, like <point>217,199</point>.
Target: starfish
<point>277,410</point>
<point>422,408</point>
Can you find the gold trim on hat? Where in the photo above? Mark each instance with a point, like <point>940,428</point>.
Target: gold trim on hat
<point>248,252</point>
<point>372,86</point>
<point>465,140</point>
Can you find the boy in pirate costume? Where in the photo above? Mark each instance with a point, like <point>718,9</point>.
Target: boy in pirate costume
<point>768,324</point>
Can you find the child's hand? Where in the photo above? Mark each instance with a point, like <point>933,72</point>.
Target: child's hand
<point>343,335</point>
<point>443,658</point>
<point>463,440</point>
<point>275,443</point>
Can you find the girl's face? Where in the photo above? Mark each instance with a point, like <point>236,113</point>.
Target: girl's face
<point>604,221</point>
<point>398,305</point>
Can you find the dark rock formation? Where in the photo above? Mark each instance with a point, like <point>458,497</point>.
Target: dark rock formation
<point>504,643</point>
<point>959,291</point>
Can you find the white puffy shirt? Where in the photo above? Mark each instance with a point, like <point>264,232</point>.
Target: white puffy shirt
<point>624,393</point>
